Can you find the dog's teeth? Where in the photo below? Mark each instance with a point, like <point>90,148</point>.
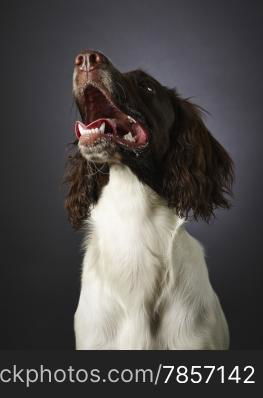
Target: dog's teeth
<point>102,128</point>
<point>82,130</point>
<point>129,137</point>
<point>131,119</point>
<point>96,130</point>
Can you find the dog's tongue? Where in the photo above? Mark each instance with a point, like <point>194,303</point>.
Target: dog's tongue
<point>140,134</point>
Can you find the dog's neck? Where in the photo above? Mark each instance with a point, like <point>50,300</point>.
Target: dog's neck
<point>132,231</point>
<point>132,210</point>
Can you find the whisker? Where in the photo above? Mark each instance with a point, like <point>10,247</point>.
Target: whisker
<point>125,96</point>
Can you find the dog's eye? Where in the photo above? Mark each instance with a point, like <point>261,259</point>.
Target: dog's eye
<point>147,87</point>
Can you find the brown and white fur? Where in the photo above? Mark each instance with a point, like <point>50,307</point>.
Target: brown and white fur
<point>145,283</point>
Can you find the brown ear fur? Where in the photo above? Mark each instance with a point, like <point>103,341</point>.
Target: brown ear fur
<point>198,172</point>
<point>85,181</point>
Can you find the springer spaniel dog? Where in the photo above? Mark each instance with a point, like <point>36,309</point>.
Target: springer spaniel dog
<point>143,163</point>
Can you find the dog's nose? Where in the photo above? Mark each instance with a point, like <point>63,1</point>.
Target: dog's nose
<point>90,60</point>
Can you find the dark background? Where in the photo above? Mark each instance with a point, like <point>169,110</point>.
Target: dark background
<point>211,50</point>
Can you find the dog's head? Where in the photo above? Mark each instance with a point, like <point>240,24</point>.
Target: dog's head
<point>131,118</point>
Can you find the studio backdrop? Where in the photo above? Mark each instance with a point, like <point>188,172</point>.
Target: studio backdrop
<point>210,51</point>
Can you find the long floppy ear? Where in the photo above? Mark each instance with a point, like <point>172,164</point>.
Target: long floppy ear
<point>84,181</point>
<point>198,172</point>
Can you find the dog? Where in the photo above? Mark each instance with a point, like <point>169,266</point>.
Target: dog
<point>143,164</point>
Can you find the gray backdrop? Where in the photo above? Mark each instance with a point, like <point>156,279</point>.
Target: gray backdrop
<point>211,50</point>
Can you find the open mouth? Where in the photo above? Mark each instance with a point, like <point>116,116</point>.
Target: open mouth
<point>104,121</point>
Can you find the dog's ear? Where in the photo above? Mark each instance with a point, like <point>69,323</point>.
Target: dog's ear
<point>84,183</point>
<point>198,172</point>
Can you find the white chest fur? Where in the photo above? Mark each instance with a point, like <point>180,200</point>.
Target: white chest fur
<point>134,253</point>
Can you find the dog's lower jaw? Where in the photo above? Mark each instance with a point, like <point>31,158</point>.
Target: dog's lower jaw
<point>144,282</point>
